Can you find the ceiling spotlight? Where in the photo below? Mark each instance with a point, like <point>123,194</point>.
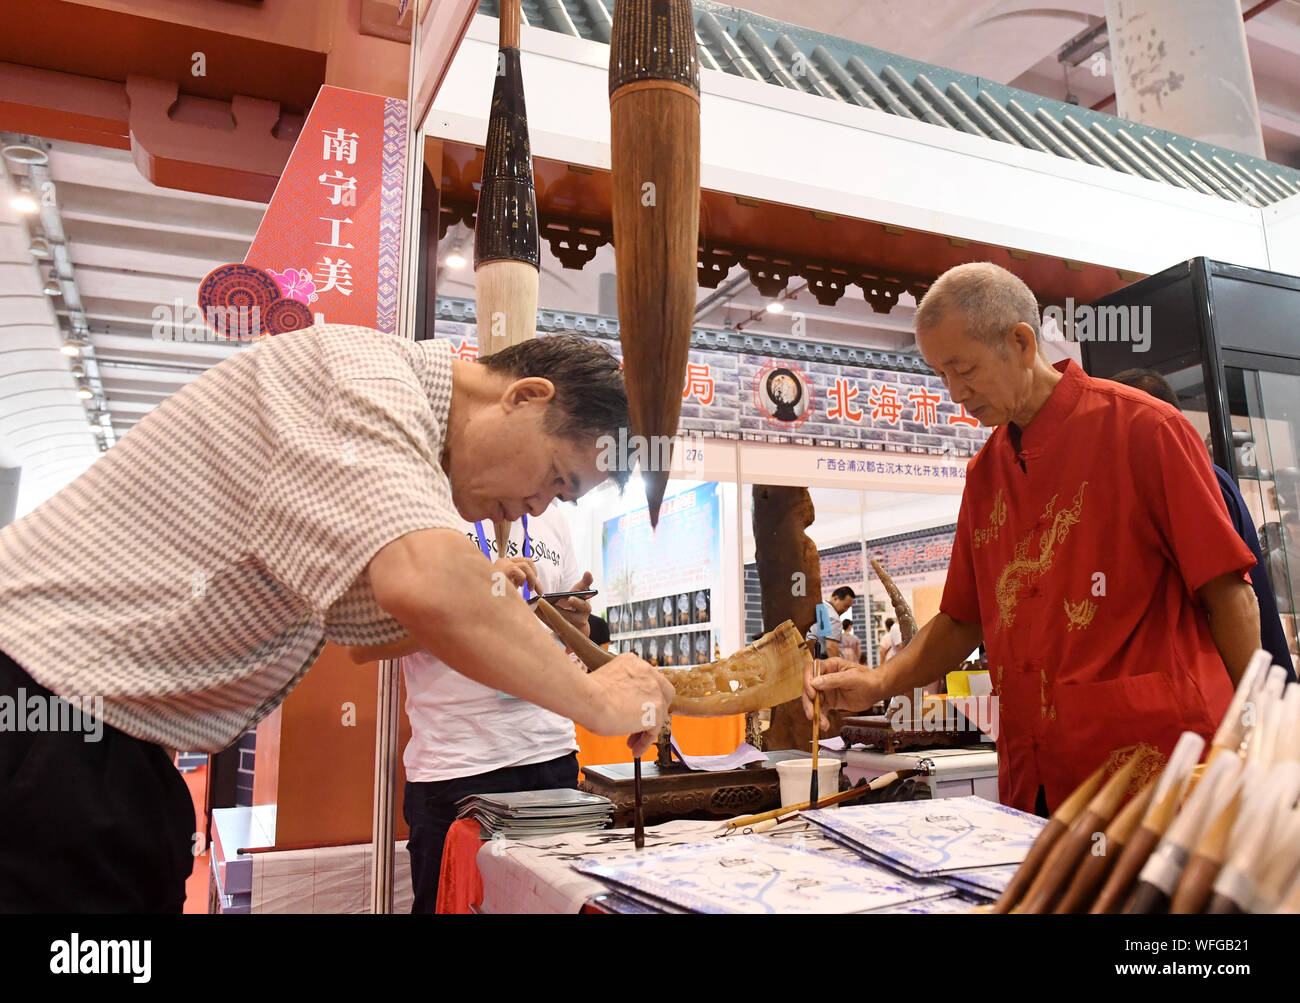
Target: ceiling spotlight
<point>78,372</point>
<point>22,153</point>
<point>39,249</point>
<point>24,203</point>
<point>85,393</point>
<point>71,350</point>
<point>52,287</point>
<point>776,306</point>
<point>455,260</point>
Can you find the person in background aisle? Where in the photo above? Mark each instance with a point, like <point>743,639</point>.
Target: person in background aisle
<point>467,738</point>
<point>826,630</point>
<point>1271,636</point>
<point>850,646</point>
<point>891,642</point>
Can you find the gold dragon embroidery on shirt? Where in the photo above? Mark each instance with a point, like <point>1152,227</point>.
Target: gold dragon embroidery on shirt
<point>1022,570</point>
<point>1153,761</point>
<point>1079,614</point>
<point>997,518</point>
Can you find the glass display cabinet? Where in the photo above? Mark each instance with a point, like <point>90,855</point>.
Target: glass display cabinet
<point>1228,340</point>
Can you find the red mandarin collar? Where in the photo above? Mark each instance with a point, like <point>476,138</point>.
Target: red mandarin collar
<point>1034,439</point>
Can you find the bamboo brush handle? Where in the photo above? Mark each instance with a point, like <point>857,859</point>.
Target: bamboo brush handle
<point>1092,872</point>
<point>1115,892</point>
<point>1056,826</point>
<point>745,821</point>
<point>1059,867</point>
<point>1198,879</point>
<point>511,10</point>
<point>1033,861</point>
<point>593,656</point>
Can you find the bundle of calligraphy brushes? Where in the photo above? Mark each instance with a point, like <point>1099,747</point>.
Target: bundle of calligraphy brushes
<point>1219,837</point>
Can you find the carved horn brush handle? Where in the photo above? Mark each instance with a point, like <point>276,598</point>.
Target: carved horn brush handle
<point>593,655</point>
<point>906,621</point>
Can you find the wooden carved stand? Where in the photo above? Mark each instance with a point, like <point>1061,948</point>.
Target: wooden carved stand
<point>680,793</point>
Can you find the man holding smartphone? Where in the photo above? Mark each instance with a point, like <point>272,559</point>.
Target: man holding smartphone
<point>467,738</point>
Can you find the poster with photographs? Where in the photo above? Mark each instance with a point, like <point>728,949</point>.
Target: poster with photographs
<point>671,621</point>
<point>702,647</point>
<point>701,606</point>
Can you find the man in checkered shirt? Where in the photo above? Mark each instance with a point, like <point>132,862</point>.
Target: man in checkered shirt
<point>310,488</point>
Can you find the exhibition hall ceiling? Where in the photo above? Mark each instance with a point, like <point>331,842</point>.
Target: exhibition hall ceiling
<point>135,255</point>
<point>1016,43</point>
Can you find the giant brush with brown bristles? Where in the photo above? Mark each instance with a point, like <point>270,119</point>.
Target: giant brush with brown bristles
<point>654,109</point>
<point>507,252</point>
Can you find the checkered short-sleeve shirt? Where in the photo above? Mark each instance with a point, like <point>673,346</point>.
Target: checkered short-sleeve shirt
<point>192,575</point>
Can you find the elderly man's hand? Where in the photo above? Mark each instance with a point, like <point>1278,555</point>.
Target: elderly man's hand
<point>843,685</point>
<point>631,698</point>
<point>576,610</point>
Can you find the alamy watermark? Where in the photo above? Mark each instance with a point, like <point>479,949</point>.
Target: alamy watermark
<point>76,956</point>
<point>179,322</point>
<point>43,713</point>
<point>1085,322</point>
<point>679,454</point>
<point>915,713</point>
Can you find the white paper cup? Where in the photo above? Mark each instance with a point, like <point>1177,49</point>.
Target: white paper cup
<point>796,776</point>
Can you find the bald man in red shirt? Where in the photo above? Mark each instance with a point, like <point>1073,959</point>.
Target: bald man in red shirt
<point>1093,556</point>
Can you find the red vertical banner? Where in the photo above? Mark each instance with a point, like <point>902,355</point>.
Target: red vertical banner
<point>330,241</point>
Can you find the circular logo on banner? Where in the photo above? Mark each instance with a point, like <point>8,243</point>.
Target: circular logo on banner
<point>783,393</point>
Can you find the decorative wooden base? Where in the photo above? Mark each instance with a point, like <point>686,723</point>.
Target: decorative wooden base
<point>679,792</point>
<point>878,731</point>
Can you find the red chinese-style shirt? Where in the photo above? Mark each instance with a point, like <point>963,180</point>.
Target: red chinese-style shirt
<point>1080,544</point>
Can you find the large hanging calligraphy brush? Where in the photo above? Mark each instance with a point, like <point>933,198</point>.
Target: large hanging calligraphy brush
<point>507,252</point>
<point>506,248</point>
<point>654,109</point>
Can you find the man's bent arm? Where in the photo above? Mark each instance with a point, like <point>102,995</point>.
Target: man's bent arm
<point>442,591</point>
<point>396,649</point>
<point>1233,612</point>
